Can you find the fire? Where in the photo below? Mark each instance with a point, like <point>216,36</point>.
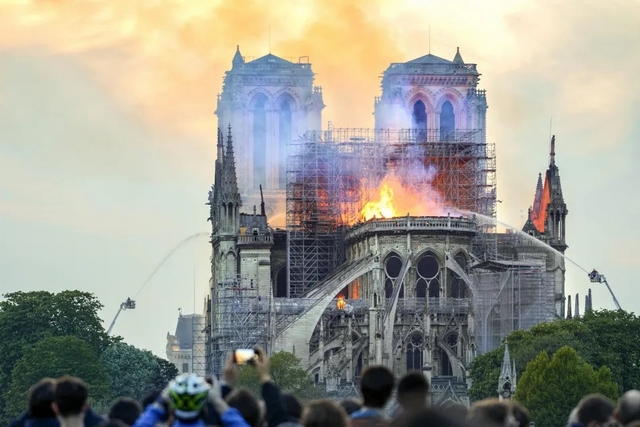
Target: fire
<point>341,304</point>
<point>392,199</point>
<point>381,208</point>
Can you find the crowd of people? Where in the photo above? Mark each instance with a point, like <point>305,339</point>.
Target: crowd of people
<point>193,401</point>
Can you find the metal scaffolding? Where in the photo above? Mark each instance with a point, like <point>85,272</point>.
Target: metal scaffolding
<point>511,299</point>
<point>332,174</point>
<point>240,318</point>
<point>198,357</point>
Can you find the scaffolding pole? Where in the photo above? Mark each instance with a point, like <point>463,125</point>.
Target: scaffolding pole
<point>332,174</point>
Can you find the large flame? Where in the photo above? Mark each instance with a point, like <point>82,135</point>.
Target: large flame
<point>392,199</point>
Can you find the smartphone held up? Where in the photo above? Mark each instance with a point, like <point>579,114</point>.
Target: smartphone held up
<point>244,357</point>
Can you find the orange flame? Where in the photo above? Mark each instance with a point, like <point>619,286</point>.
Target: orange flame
<point>394,199</point>
<point>341,304</point>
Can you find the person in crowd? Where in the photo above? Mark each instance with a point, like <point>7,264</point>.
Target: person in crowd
<point>596,410</point>
<point>184,402</point>
<point>248,406</point>
<point>573,418</point>
<point>413,392</point>
<point>292,406</point>
<point>351,405</point>
<point>40,411</point>
<point>428,418</point>
<point>456,412</point>
<point>492,412</point>
<point>376,386</point>
<point>628,410</point>
<point>324,413</point>
<point>70,401</point>
<point>126,410</point>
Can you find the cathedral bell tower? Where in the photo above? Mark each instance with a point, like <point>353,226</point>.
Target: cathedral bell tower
<point>269,102</point>
<point>435,97</point>
<point>225,203</point>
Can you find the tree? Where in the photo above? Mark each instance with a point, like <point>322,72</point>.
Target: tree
<point>286,372</point>
<point>551,388</point>
<point>131,372</point>
<point>168,372</point>
<point>28,317</point>
<point>601,338</point>
<point>54,357</point>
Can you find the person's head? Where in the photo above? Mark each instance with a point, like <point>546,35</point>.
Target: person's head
<point>188,394</point>
<point>376,385</point>
<point>292,406</point>
<point>413,390</point>
<point>126,410</point>
<point>351,405</point>
<point>70,397</point>
<point>628,409</point>
<point>248,406</point>
<point>455,412</point>
<point>429,417</point>
<point>324,413</point>
<point>41,399</point>
<point>595,410</point>
<point>492,412</point>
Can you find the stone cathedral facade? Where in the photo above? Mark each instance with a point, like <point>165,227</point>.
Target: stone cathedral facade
<point>412,292</point>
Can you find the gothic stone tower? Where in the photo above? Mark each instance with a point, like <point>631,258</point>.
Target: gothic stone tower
<point>432,94</point>
<point>507,379</point>
<point>268,101</point>
<point>547,222</point>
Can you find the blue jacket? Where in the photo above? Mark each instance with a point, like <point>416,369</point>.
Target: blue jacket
<point>153,414</point>
<point>91,419</point>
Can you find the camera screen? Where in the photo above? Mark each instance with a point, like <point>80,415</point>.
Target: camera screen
<point>242,357</point>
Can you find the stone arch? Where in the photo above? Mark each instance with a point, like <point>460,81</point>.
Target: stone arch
<point>453,96</point>
<point>286,95</point>
<point>280,283</point>
<point>420,94</point>
<point>255,95</point>
<point>391,267</point>
<point>457,287</point>
<point>414,346</point>
<point>428,268</point>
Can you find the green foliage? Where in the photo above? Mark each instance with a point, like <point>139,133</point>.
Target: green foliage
<point>551,388</point>
<point>601,338</point>
<point>131,371</point>
<point>286,372</point>
<point>54,357</point>
<point>168,372</point>
<point>29,317</point>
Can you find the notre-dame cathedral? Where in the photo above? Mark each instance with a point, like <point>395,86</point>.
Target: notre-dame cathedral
<point>293,266</point>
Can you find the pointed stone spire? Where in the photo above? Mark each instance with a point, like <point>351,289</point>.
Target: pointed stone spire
<point>552,151</point>
<point>590,299</point>
<point>537,199</point>
<point>220,147</point>
<point>577,305</point>
<point>506,381</point>
<point>569,316</point>
<point>237,58</point>
<point>230,179</point>
<point>458,58</point>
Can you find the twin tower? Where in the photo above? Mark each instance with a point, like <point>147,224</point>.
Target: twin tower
<point>271,101</point>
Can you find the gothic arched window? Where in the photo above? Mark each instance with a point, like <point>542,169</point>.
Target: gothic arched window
<point>260,141</point>
<point>419,119</point>
<point>458,288</point>
<point>428,270</point>
<point>392,267</point>
<point>414,353</point>
<point>280,285</point>
<point>447,122</point>
<point>284,134</point>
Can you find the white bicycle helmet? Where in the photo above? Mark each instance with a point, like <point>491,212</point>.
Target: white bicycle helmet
<point>187,395</point>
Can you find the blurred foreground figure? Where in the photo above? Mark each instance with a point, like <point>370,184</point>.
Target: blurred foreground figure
<point>628,410</point>
<point>596,410</point>
<point>494,413</point>
<point>324,413</point>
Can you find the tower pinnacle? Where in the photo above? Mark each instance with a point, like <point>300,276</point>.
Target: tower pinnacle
<point>552,152</point>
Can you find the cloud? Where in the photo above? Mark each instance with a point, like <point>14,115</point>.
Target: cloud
<point>109,104</point>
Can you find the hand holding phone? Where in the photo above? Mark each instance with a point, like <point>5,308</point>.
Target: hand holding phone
<point>244,357</point>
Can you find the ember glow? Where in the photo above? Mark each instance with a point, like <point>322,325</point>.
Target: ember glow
<point>393,199</point>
